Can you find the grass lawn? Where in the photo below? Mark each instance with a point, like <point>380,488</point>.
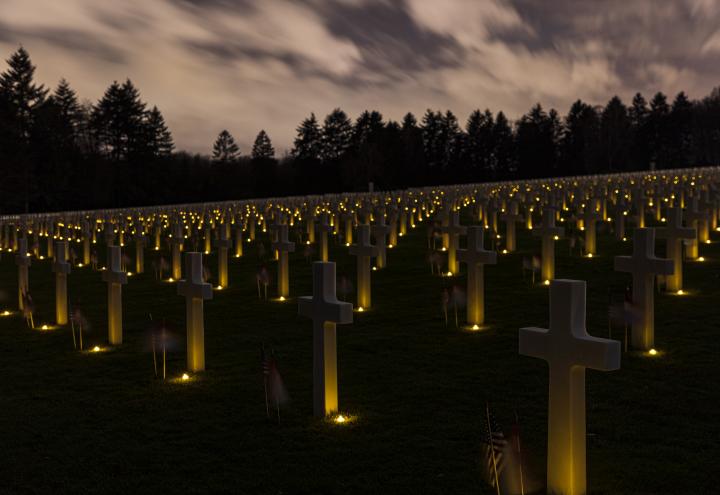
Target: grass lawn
<point>76,422</point>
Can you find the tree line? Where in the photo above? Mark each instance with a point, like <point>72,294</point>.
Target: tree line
<point>58,152</point>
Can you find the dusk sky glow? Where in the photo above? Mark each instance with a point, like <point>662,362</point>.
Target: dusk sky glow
<point>249,64</point>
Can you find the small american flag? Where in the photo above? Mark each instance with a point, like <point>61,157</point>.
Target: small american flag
<point>493,446</point>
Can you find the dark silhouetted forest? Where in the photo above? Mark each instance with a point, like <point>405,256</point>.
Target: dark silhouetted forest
<point>58,153</point>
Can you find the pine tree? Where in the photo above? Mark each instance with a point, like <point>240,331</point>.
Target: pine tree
<point>20,91</point>
<point>66,99</point>
<point>367,128</point>
<point>432,138</point>
<point>504,151</point>
<point>118,120</point>
<point>580,139</point>
<point>336,135</point>
<point>639,133</point>
<point>480,145</point>
<point>159,138</point>
<point>614,136</point>
<point>409,122</point>
<point>308,143</point>
<point>225,149</point>
<point>451,139</point>
<point>262,148</point>
<point>659,128</point>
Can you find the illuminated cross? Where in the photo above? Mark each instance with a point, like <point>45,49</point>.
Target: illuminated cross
<point>380,231</point>
<point>511,217</point>
<point>363,250</point>
<point>61,268</point>
<point>324,227</point>
<point>698,220</point>
<point>178,240</point>
<point>548,233</point>
<point>195,291</point>
<point>569,350</point>
<point>590,218</point>
<point>140,241</point>
<point>453,230</point>
<point>674,233</point>
<point>115,278</point>
<point>643,266</point>
<point>325,311</point>
<point>283,246</point>
<point>22,260</point>
<point>223,245</point>
<point>476,257</point>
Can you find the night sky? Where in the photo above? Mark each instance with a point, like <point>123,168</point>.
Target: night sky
<point>251,64</point>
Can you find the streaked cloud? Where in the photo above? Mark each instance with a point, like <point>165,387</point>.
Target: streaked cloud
<point>251,64</point>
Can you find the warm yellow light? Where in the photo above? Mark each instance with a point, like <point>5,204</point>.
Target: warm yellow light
<point>701,258</point>
<point>6,313</point>
<point>443,249</point>
<point>281,298</point>
<point>171,279</point>
<point>361,309</point>
<point>475,327</point>
<point>680,292</point>
<point>44,327</point>
<point>340,419</point>
<point>96,349</point>
<point>504,251</point>
<point>129,274</point>
<point>347,244</point>
<point>390,246</point>
<point>449,274</point>
<point>374,268</point>
<point>707,241</point>
<point>652,352</point>
<point>624,239</point>
<point>307,242</point>
<point>219,287</point>
<point>547,282</point>
<point>556,237</point>
<point>185,376</point>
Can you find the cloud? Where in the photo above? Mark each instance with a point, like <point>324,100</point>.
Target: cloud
<point>247,65</point>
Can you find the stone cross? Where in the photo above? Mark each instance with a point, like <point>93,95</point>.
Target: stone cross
<point>310,226</point>
<point>195,290</point>
<point>674,233</point>
<point>238,239</point>
<point>109,234</point>
<point>348,218</point>
<point>697,219</point>
<point>86,238</point>
<point>363,250</point>
<point>177,242</point>
<point>324,227</point>
<point>590,218</point>
<point>380,231</point>
<point>115,279</point>
<point>511,217</point>
<point>223,245</point>
<point>569,350</point>
<point>453,230</point>
<point>61,268</point>
<point>475,256</point>
<point>548,232</point>
<point>643,266</point>
<point>140,241</point>
<point>22,260</point>
<point>283,246</point>
<point>325,311</point>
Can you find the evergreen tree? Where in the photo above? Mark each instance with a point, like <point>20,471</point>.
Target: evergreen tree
<point>432,137</point>
<point>659,129</point>
<point>308,143</point>
<point>336,136</point>
<point>159,138</point>
<point>504,162</point>
<point>614,136</point>
<point>225,149</point>
<point>367,128</point>
<point>19,90</point>
<point>681,146</point>
<point>639,133</point>
<point>537,134</point>
<point>409,122</point>
<point>262,148</point>
<point>580,140</point>
<point>118,122</point>
<point>66,99</point>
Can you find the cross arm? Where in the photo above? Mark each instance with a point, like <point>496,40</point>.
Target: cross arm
<point>534,342</point>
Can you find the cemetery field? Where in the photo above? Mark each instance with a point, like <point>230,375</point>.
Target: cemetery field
<point>414,389</point>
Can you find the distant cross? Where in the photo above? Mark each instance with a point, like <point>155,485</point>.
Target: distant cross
<point>178,239</point>
<point>380,231</point>
<point>195,291</point>
<point>223,247</point>
<point>325,311</point>
<point>283,246</point>
<point>674,233</point>
<point>643,266</point>
<point>325,228</point>
<point>363,250</point>
<point>61,268</point>
<point>22,260</point>
<point>548,233</point>
<point>590,218</point>
<point>569,350</point>
<point>511,217</point>
<point>476,256</point>
<point>115,278</point>
<point>453,230</point>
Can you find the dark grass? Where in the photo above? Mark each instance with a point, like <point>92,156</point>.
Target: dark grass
<point>83,423</point>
